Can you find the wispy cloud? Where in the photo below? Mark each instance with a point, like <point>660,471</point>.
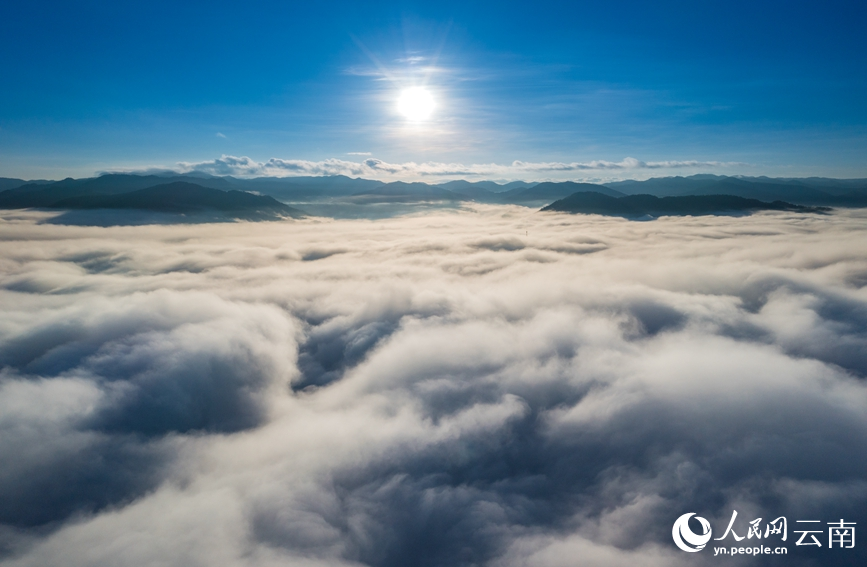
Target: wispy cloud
<point>378,169</point>
<point>220,135</point>
<point>624,164</point>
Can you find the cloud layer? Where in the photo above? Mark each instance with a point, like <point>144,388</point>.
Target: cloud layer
<point>488,386</point>
<point>373,168</point>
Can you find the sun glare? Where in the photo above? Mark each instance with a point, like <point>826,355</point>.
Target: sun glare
<point>416,104</point>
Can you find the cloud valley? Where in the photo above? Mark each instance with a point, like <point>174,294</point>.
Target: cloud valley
<point>482,386</point>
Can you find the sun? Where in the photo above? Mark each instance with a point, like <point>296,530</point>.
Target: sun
<point>416,104</point>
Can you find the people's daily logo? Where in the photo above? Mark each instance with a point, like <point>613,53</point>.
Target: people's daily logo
<point>838,534</point>
<point>685,538</point>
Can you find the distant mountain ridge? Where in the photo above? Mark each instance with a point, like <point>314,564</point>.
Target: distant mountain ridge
<point>180,197</point>
<point>7,183</point>
<point>356,191</point>
<point>549,191</point>
<point>300,189</point>
<point>47,194</point>
<point>809,191</point>
<point>23,194</point>
<point>400,191</point>
<point>470,187</point>
<point>637,206</point>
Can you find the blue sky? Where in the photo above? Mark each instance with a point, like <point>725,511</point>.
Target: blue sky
<point>567,90</point>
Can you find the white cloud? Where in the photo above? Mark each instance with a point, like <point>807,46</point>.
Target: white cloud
<point>373,168</point>
<point>625,164</point>
<point>492,385</point>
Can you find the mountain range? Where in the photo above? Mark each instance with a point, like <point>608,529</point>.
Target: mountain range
<point>94,192</point>
<point>22,194</point>
<point>808,191</point>
<point>179,197</point>
<point>649,206</point>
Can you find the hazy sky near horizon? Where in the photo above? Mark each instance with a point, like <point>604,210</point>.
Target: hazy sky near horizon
<point>752,88</point>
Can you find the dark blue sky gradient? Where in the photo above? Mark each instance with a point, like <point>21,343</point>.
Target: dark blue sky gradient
<point>779,86</point>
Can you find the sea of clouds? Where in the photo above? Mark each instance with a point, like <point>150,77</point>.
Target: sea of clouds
<point>488,386</point>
